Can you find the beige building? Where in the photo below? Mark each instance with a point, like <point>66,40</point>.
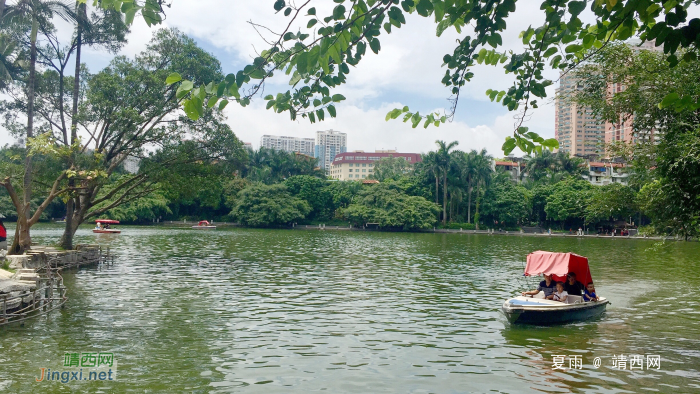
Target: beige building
<point>358,165</point>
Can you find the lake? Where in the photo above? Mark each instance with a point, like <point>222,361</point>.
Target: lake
<point>294,311</point>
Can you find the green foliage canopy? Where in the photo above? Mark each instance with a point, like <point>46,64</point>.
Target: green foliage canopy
<point>388,207</point>
<point>260,205</point>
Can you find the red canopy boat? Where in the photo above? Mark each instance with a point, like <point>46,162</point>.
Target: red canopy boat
<point>537,310</point>
<point>558,265</point>
<point>100,229</point>
<point>204,225</point>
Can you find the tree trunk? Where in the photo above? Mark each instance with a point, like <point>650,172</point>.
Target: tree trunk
<point>70,229</point>
<point>23,240</point>
<point>68,232</point>
<point>469,203</point>
<point>476,214</point>
<point>22,229</point>
<point>437,192</point>
<point>444,198</point>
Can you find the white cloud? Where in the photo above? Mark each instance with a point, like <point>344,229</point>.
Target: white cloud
<point>367,130</point>
<point>408,66</point>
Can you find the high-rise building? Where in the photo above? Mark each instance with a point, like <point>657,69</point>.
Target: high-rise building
<point>329,144</point>
<point>580,133</point>
<point>288,144</point>
<point>576,129</point>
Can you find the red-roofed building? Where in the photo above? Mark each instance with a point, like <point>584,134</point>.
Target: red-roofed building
<point>350,166</point>
<point>516,169</point>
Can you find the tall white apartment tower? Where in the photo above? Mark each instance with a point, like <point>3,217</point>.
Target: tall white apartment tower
<point>288,144</point>
<point>329,144</point>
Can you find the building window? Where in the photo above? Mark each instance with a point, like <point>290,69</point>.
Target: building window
<point>364,165</point>
<point>364,171</point>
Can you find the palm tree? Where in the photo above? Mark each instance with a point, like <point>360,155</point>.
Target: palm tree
<point>468,173</point>
<point>553,166</point>
<point>431,164</point>
<point>444,159</point>
<point>483,173</point>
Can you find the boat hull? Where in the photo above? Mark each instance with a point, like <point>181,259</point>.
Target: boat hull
<point>106,231</point>
<point>521,310</point>
<point>204,227</point>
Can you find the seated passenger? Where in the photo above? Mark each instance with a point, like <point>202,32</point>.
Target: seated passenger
<point>547,285</point>
<point>589,294</point>
<point>572,286</point>
<point>560,294</point>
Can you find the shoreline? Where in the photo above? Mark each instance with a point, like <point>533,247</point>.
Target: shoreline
<point>323,227</point>
<point>485,232</point>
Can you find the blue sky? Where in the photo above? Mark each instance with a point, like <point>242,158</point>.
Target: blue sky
<point>407,71</point>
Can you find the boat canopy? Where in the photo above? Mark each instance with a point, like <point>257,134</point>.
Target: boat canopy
<point>558,265</point>
<point>107,221</point>
<point>203,223</point>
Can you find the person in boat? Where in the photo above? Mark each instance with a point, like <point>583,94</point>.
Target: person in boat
<point>560,294</point>
<point>547,286</point>
<point>107,226</point>
<point>572,286</point>
<point>98,226</point>
<point>589,294</point>
<point>3,236</point>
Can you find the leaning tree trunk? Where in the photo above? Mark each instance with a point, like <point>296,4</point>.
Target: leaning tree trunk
<point>476,214</point>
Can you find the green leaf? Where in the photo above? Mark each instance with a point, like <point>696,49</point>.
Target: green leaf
<point>223,104</point>
<point>509,145</point>
<point>573,48</point>
<point>338,98</point>
<point>191,110</point>
<point>669,100</point>
<point>338,14</point>
<point>212,102</point>
<point>551,51</point>
<point>311,23</point>
<point>312,11</point>
<point>331,111</point>
<point>424,8</point>
<point>186,85</point>
<point>279,4</point>
<point>173,78</point>
<point>374,45</point>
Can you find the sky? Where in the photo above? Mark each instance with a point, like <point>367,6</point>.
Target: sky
<point>407,71</point>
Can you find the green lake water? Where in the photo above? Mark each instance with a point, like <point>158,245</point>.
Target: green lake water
<point>279,311</point>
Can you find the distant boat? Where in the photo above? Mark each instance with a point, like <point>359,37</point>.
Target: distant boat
<point>204,225</point>
<point>540,311</point>
<point>102,229</point>
<point>60,220</point>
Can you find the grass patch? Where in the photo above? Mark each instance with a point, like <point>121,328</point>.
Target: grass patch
<point>6,266</point>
